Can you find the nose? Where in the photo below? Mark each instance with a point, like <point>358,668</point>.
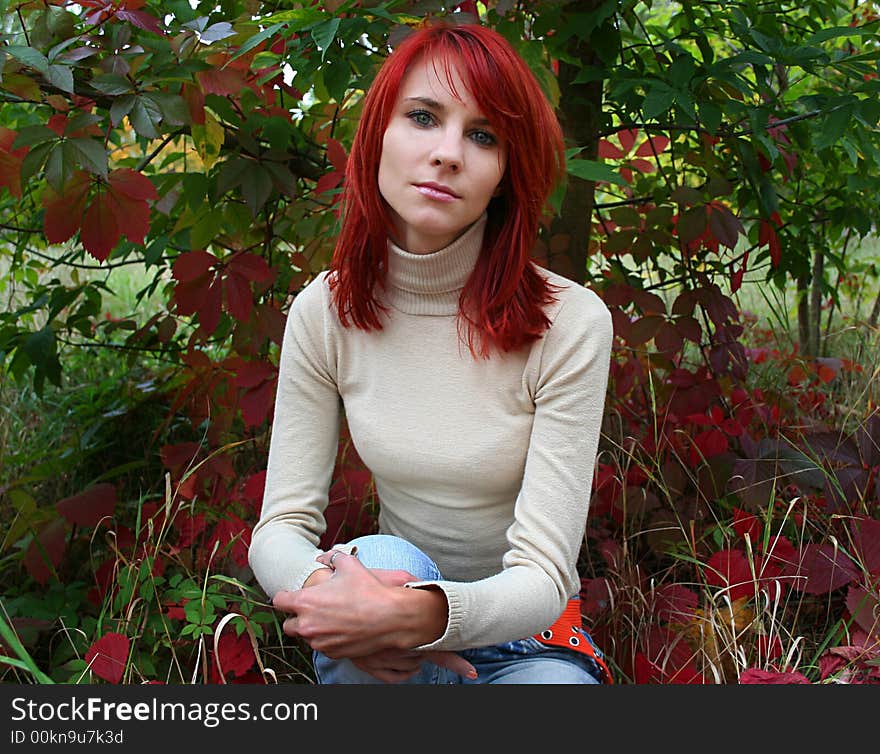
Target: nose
<point>447,152</point>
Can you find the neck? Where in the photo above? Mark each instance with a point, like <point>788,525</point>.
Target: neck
<point>431,283</point>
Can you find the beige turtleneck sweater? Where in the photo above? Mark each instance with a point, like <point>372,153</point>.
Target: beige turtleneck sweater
<point>486,465</point>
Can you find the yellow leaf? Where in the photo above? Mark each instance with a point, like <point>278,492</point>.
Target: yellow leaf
<point>208,140</point>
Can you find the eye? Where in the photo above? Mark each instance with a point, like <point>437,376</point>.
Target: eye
<point>421,118</point>
<point>484,138</point>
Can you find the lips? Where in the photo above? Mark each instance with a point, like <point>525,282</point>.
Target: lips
<point>436,191</point>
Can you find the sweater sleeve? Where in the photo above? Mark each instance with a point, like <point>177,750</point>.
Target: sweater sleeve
<point>302,450</point>
<point>540,567</point>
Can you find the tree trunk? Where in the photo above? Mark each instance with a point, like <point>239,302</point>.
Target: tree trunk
<point>816,301</point>
<point>579,112</point>
<point>803,310</point>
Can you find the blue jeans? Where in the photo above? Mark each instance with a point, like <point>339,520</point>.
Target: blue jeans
<point>520,661</point>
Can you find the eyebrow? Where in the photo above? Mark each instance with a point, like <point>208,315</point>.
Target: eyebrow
<point>435,105</point>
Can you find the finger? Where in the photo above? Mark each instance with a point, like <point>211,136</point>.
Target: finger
<point>291,627</point>
<point>284,600</point>
<point>388,675</point>
<point>393,577</point>
<point>330,557</point>
<point>452,661</point>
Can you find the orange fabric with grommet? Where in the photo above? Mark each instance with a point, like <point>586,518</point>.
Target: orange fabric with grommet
<point>566,632</point>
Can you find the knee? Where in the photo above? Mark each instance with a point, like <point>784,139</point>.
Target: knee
<point>394,553</point>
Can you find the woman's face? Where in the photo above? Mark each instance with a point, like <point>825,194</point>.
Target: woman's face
<point>441,160</point>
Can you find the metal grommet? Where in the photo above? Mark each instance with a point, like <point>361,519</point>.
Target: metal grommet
<point>547,635</point>
<point>575,630</point>
<point>574,641</point>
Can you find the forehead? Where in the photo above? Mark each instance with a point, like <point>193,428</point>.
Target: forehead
<point>440,78</point>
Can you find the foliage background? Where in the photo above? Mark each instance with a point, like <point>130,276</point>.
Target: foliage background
<point>169,180</point>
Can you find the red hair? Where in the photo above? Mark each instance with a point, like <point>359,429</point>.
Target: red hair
<point>504,298</point>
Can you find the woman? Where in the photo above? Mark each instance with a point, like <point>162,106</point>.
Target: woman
<point>472,381</point>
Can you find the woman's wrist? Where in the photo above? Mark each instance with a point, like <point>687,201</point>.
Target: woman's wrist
<point>318,576</point>
<point>424,614</point>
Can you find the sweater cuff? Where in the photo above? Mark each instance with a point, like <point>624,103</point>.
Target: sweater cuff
<point>454,614</point>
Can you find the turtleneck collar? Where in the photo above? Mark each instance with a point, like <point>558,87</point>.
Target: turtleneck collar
<point>431,283</point>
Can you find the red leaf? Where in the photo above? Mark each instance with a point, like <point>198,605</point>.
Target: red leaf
<point>253,373</point>
<point>667,340</point>
<point>708,444</point>
<point>676,603</point>
<point>866,534</point>
<point>53,539</point>
<point>689,328</point>
<point>724,225</point>
<point>100,231</point>
<point>235,655</point>
<point>747,523</point>
<point>209,312</point>
<point>133,184</point>
<point>177,457</point>
<point>651,145</point>
<point>63,212</point>
<point>336,154</point>
<point>607,151</point>
<point>251,267</point>
<point>255,488</point>
<point>10,162</point>
<point>189,527</point>
<point>825,568</point>
<point>328,181</point>
<point>140,19</point>
<point>767,235</point>
<point>89,507</point>
<point>256,404</point>
<point>232,529</point>
<point>192,265</point>
<point>736,279</point>
<point>730,568</point>
<point>132,216</point>
<point>627,138</point>
<point>107,657</point>
<point>644,329</point>
<point>864,606</point>
<point>239,297</point>
<point>223,81</point>
<point>758,676</point>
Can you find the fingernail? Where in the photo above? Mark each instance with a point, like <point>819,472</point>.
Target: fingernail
<point>472,674</point>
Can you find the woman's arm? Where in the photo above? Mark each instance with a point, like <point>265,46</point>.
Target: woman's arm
<point>302,451</point>
<point>569,374</point>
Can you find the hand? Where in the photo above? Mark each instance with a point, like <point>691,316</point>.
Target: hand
<point>395,666</point>
<point>356,612</point>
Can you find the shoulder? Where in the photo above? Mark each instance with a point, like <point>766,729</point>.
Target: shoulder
<point>576,309</point>
<point>312,306</point>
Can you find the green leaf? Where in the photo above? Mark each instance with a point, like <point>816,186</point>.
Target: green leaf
<point>590,170</point>
<point>337,77</point>
<point>835,32</point>
<point>834,127</point>
<point>60,76</point>
<point>112,84</point>
<point>298,19</point>
<point>256,185</point>
<point>324,34</point>
<point>93,155</point>
<point>257,39</point>
<point>61,164</point>
<point>40,348</point>
<point>145,115</point>
<point>24,660</point>
<point>29,56</point>
<point>31,135</point>
<point>658,100</point>
<point>121,107</point>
